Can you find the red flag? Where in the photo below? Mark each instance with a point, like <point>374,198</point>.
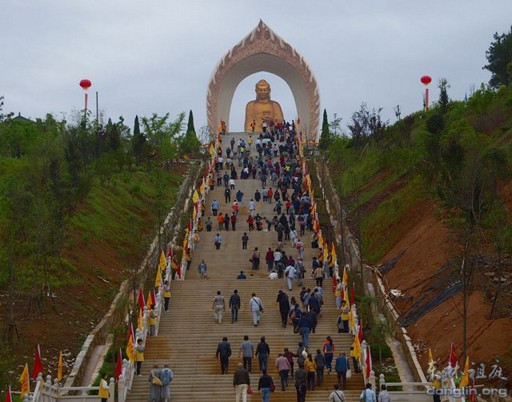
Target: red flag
<point>169,253</point>
<point>8,396</point>
<point>360,333</point>
<point>38,364</point>
<point>353,295</point>
<point>368,362</point>
<point>153,296</point>
<point>342,293</point>
<point>472,393</point>
<point>142,302</point>
<point>453,356</point>
<point>119,365</point>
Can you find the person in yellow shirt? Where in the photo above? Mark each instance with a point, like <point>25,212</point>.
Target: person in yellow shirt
<point>139,355</point>
<point>152,320</point>
<point>103,391</point>
<point>310,367</point>
<point>343,318</point>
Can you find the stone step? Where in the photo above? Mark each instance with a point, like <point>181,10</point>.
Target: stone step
<point>188,334</point>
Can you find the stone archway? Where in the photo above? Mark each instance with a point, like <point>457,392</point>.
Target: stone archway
<point>264,50</point>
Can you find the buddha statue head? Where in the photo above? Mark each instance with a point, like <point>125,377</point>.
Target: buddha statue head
<point>262,90</point>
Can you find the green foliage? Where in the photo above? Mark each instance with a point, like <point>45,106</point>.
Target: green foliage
<point>325,136</point>
<point>499,57</point>
<point>366,125</point>
<point>161,135</point>
<point>190,144</point>
<point>190,124</point>
<point>443,95</point>
<point>138,143</point>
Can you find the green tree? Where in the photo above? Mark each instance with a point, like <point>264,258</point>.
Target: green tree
<point>499,57</point>
<point>190,124</point>
<point>367,124</point>
<point>443,95</point>
<point>138,142</point>
<point>189,143</point>
<point>325,136</point>
<point>161,135</point>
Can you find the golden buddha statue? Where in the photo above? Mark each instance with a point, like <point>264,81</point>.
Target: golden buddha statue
<point>262,110</point>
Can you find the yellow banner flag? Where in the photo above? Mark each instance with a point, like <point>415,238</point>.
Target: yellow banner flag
<point>211,150</point>
<point>313,210</point>
<point>59,367</point>
<point>195,196</point>
<point>158,278</point>
<point>162,264</point>
<point>204,186</point>
<point>326,251</point>
<point>430,369</point>
<point>350,318</point>
<point>130,352</point>
<point>345,275</point>
<point>149,300</point>
<point>25,385</point>
<point>334,257</point>
<point>356,352</point>
<point>140,320</point>
<point>464,381</point>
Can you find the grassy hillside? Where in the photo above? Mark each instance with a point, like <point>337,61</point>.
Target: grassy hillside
<point>79,206</point>
<point>432,194</point>
<point>106,237</point>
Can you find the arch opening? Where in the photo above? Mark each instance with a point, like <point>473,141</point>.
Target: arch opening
<point>264,51</point>
<point>245,92</point>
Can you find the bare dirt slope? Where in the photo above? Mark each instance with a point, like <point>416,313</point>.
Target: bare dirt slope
<point>426,247</point>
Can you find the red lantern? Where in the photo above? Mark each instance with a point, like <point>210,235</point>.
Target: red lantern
<point>426,79</point>
<point>85,84</point>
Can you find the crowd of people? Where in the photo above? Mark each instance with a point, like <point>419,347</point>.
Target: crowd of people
<point>278,167</point>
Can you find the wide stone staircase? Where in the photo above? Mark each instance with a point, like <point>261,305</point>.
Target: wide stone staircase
<point>188,334</point>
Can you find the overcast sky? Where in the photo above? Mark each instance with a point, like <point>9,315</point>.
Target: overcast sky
<point>146,57</point>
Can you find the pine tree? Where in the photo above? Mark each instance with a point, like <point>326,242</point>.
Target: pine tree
<point>499,57</point>
<point>325,136</point>
<point>138,141</point>
<point>190,126</point>
<point>443,95</point>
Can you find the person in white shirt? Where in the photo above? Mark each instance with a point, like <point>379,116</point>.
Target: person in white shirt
<point>272,275</point>
<point>293,236</point>
<point>252,207</point>
<point>290,275</point>
<point>256,307</point>
<point>336,395</point>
